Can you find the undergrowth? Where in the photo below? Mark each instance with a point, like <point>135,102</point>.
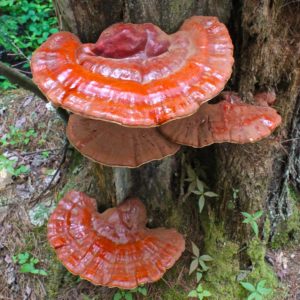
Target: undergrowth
<point>24,25</point>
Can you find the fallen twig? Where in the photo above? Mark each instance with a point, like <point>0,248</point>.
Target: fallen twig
<point>39,151</point>
<point>50,186</point>
<point>16,77</point>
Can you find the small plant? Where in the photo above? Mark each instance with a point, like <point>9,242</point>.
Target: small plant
<point>45,154</point>
<point>129,294</point>
<point>235,193</point>
<point>198,188</point>
<point>252,220</point>
<point>10,166</point>
<point>199,293</point>
<point>28,264</point>
<point>24,25</point>
<point>257,292</point>
<point>40,214</point>
<point>199,262</point>
<point>17,137</point>
<point>5,84</point>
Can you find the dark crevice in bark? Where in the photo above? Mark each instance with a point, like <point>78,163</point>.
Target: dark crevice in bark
<point>288,175</point>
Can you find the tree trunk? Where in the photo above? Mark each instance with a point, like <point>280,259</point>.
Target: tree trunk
<point>266,38</point>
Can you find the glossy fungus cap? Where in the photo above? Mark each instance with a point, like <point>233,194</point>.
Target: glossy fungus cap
<point>115,145</point>
<point>115,248</point>
<point>135,74</point>
<point>230,120</point>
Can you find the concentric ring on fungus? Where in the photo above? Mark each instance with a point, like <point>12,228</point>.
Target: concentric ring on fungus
<point>114,248</point>
<point>135,74</point>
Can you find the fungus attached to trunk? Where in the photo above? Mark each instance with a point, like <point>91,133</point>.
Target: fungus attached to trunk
<point>114,248</point>
<point>115,145</point>
<point>230,120</point>
<point>135,74</point>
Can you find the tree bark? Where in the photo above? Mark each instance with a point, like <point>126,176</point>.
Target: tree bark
<point>267,58</point>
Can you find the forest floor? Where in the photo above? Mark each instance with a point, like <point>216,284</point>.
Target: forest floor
<point>33,138</point>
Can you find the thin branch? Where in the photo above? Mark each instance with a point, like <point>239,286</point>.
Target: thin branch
<point>39,151</point>
<point>49,186</point>
<point>16,77</point>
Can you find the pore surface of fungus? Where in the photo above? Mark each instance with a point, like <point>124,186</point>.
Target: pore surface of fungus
<point>115,248</point>
<point>115,145</point>
<point>230,120</point>
<point>136,74</point>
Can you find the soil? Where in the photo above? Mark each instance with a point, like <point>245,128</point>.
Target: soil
<point>20,195</point>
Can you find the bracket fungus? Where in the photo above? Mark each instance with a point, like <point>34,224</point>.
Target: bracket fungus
<point>230,120</point>
<point>127,147</point>
<point>114,248</point>
<point>136,74</point>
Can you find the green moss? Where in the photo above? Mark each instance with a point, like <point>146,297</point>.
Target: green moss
<point>220,279</point>
<point>267,229</point>
<point>175,219</point>
<point>288,231</point>
<point>224,276</point>
<point>172,294</point>
<point>260,269</point>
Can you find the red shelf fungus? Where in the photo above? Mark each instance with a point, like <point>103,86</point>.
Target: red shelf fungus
<point>115,248</point>
<point>230,120</point>
<point>115,145</point>
<point>135,74</point>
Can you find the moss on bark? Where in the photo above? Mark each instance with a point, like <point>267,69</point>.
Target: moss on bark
<point>288,231</point>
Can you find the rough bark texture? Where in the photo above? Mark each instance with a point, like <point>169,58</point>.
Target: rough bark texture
<point>266,38</point>
<point>267,55</point>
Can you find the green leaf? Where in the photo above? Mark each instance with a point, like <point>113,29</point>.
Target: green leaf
<point>42,272</point>
<point>196,192</point>
<point>206,293</point>
<point>53,30</point>
<point>261,288</point>
<point>34,270</point>
<point>211,194</point>
<point>199,276</point>
<point>191,173</point>
<point>195,250</point>
<point>45,154</point>
<point>248,286</point>
<point>191,187</point>
<point>247,221</point>
<point>199,288</point>
<point>34,260</point>
<point>117,296</point>
<point>193,266</point>
<point>206,257</point>
<point>261,284</point>
<point>258,214</point>
<point>203,265</point>
<point>193,294</point>
<point>27,268</point>
<point>255,228</point>
<point>143,291</point>
<point>247,215</point>
<point>264,291</point>
<point>201,203</point>
<point>200,185</point>
<point>252,296</point>
<point>23,257</point>
<point>128,296</point>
